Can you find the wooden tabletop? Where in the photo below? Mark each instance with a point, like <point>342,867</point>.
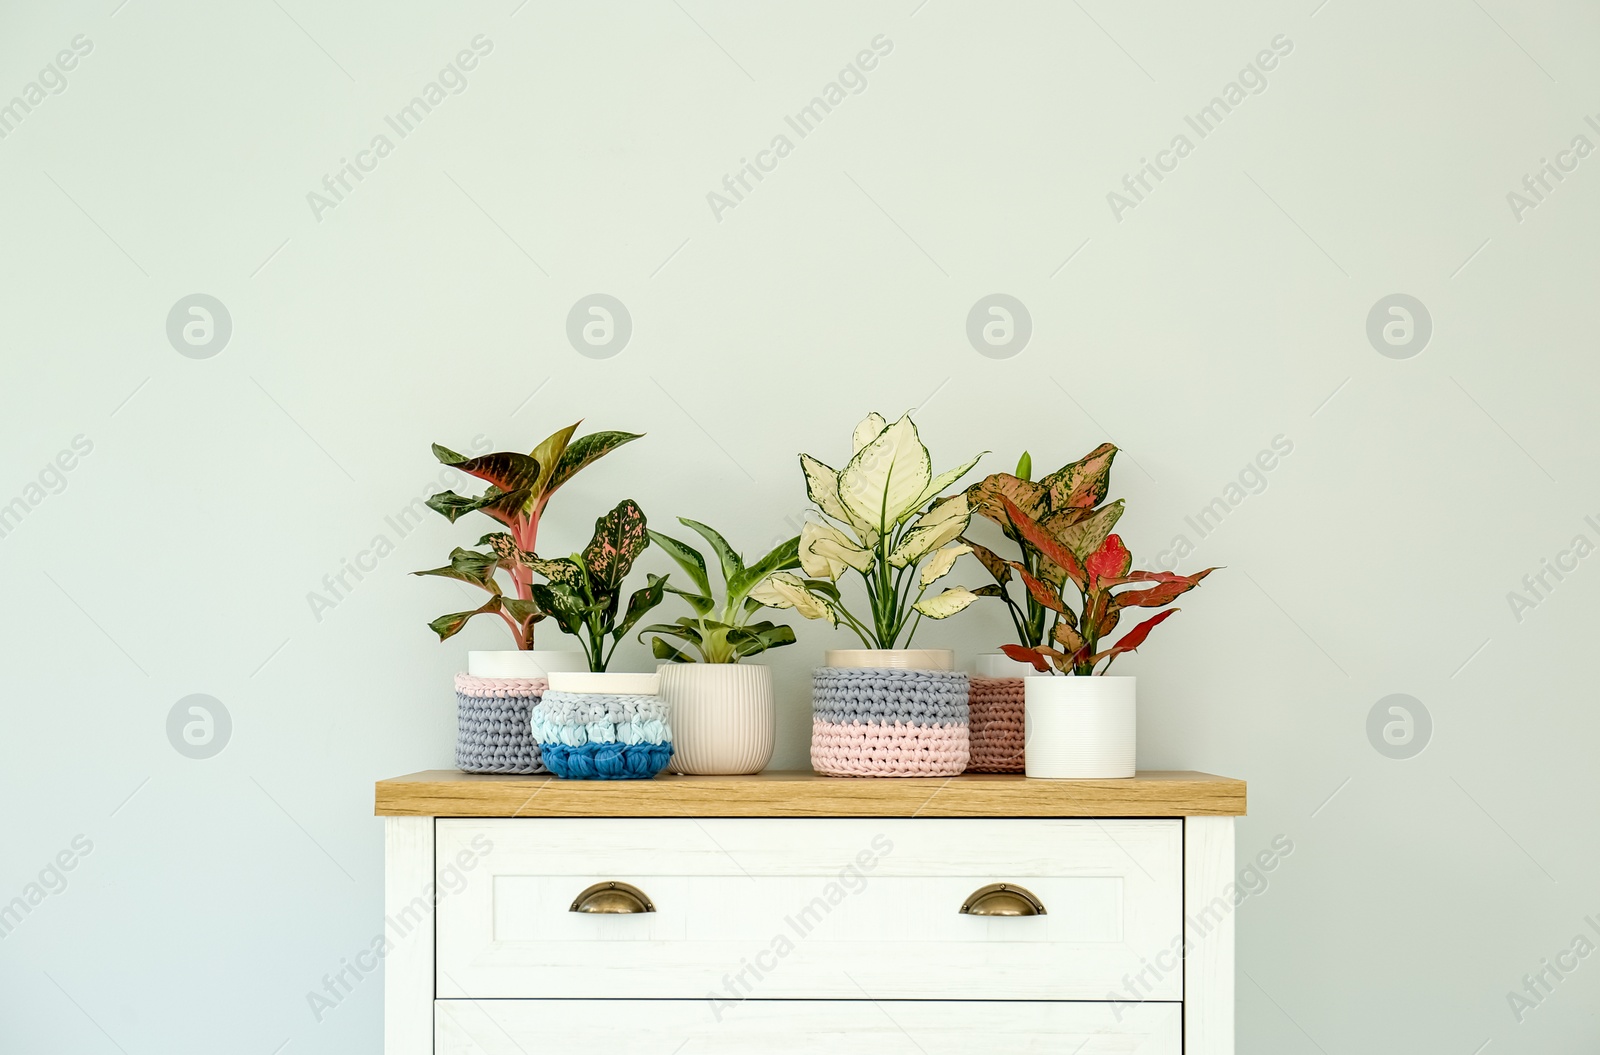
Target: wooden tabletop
<point>448,793</point>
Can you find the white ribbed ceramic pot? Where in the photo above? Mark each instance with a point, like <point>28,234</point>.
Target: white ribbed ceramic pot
<point>1080,727</point>
<point>724,716</point>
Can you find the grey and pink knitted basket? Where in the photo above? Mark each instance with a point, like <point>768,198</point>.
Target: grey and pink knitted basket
<point>494,732</point>
<point>888,722</point>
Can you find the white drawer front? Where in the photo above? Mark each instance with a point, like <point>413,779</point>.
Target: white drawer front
<point>841,909</point>
<point>815,1027</point>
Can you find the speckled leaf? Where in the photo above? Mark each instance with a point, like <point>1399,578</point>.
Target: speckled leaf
<point>619,537</point>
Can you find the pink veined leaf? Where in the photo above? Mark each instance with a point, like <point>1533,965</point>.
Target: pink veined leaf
<point>1041,591</point>
<point>1040,540</point>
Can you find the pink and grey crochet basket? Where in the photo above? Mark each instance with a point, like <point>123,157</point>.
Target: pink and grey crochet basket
<point>494,731</point>
<point>882,722</point>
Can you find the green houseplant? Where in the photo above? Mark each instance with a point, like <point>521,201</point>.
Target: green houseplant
<point>584,591</point>
<point>724,711</point>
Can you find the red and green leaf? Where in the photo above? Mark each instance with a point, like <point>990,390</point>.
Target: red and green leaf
<point>997,565</point>
<point>988,497</point>
<point>1041,591</point>
<point>1083,483</point>
<point>1048,547</point>
<point>583,451</point>
<point>447,626</point>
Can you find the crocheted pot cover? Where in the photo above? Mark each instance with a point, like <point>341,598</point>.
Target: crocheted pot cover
<point>599,736</point>
<point>492,734</point>
<point>995,726</point>
<point>888,723</point>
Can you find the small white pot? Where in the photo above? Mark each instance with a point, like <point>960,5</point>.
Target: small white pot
<point>514,663</point>
<point>1082,727</point>
<point>1000,665</point>
<point>724,716</point>
<point>890,658</point>
<point>614,684</point>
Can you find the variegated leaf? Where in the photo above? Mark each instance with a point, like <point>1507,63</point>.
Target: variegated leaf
<point>940,565</point>
<point>884,479</point>
<point>946,604</point>
<point>943,523</point>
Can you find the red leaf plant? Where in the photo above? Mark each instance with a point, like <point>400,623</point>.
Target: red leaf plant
<point>1078,631</point>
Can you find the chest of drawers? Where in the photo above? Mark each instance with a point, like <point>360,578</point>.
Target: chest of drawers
<point>786,912</point>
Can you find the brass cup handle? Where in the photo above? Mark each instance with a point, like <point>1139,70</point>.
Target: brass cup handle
<point>612,898</point>
<point>1002,899</point>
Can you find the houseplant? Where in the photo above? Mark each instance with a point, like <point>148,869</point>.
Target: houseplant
<point>1072,496</point>
<point>723,711</point>
<point>597,723</point>
<point>885,709</point>
<point>1083,723</point>
<point>496,694</point>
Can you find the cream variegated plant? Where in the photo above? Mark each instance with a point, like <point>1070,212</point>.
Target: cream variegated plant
<point>887,522</point>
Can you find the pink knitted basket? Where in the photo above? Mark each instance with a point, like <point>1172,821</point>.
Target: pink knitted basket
<point>996,725</point>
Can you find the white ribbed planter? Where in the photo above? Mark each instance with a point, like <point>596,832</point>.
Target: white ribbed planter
<point>1080,727</point>
<point>724,716</point>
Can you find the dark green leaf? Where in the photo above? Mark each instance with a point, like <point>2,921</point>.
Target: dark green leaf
<point>584,450</point>
<point>469,566</point>
<point>661,650</point>
<point>562,605</point>
<point>453,506</point>
<point>994,589</point>
<point>641,602</point>
<point>688,558</point>
<point>447,626</point>
<point>785,557</point>
<point>524,612</point>
<point>732,565</point>
<point>701,604</point>
<point>758,637</point>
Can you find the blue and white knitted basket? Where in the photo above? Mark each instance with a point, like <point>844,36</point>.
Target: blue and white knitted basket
<point>602,736</point>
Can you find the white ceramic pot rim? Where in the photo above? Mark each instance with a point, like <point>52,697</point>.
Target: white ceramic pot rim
<point>890,658</point>
<point>520,663</point>
<point>614,683</point>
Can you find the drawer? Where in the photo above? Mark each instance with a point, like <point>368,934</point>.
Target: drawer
<point>815,909</point>
<point>815,1027</point>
